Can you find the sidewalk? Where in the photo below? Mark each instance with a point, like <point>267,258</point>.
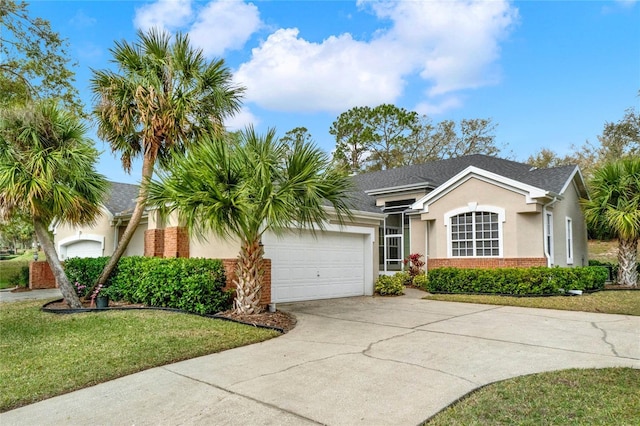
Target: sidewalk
<point>7,295</point>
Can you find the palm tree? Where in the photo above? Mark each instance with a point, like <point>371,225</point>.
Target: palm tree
<point>165,96</point>
<point>241,191</point>
<point>614,209</point>
<point>46,172</point>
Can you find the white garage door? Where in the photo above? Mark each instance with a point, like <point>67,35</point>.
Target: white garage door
<point>84,248</point>
<point>308,267</point>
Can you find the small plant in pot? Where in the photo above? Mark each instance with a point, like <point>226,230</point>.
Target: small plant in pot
<point>100,297</point>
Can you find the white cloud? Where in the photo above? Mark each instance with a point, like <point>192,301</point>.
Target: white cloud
<point>82,20</point>
<point>289,73</point>
<point>223,25</point>
<point>451,45</point>
<point>438,107</point>
<point>241,120</point>
<point>215,27</point>
<point>163,14</point>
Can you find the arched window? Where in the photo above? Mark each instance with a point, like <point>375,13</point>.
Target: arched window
<point>476,233</point>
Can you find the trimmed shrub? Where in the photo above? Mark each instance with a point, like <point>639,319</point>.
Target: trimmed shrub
<point>516,281</point>
<point>83,272</point>
<point>191,285</point>
<point>390,285</point>
<point>420,281</point>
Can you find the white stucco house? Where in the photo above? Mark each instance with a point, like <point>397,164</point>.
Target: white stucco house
<point>474,211</point>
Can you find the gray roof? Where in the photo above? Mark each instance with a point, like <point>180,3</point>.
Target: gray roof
<point>122,198</point>
<point>435,173</point>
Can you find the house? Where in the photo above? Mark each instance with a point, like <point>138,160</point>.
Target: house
<point>474,211</point>
<point>100,239</point>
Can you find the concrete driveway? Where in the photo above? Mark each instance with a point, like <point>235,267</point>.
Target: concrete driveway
<point>369,361</point>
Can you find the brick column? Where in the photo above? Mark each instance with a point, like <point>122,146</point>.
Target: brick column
<point>176,242</point>
<point>154,242</point>
<point>230,272</point>
<point>40,275</point>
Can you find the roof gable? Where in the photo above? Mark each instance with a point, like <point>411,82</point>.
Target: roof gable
<point>530,192</point>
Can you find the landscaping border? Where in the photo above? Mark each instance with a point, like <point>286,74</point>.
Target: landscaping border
<point>45,308</point>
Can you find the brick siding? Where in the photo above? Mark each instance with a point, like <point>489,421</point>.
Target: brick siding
<point>487,263</point>
<point>230,271</point>
<point>154,242</point>
<point>40,275</point>
<point>176,242</point>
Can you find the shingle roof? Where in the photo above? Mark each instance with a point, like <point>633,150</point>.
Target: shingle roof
<point>435,173</point>
<point>122,198</point>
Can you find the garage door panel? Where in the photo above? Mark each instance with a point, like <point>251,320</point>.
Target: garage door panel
<point>85,248</point>
<point>307,267</point>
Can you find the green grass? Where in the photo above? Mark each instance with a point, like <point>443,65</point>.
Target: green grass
<point>604,251</point>
<point>571,397</point>
<point>10,268</point>
<point>626,302</point>
<point>45,354</point>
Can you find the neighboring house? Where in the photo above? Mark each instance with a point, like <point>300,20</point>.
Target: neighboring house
<point>472,211</point>
<point>100,239</point>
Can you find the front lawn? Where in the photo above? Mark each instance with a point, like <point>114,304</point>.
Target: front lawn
<point>571,397</point>
<point>45,354</point>
<point>10,268</point>
<point>626,302</point>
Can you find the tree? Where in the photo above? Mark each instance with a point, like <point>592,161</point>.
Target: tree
<point>618,140</point>
<point>34,61</point>
<point>16,230</point>
<point>165,97</point>
<point>614,209</point>
<point>245,190</point>
<point>46,172</point>
<point>353,139</point>
<point>386,137</point>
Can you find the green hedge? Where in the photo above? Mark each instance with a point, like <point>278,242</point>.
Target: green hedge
<point>192,285</point>
<point>393,285</point>
<point>84,271</point>
<point>516,281</point>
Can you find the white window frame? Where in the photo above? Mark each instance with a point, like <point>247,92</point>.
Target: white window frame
<point>475,208</point>
<point>548,236</point>
<point>569,234</point>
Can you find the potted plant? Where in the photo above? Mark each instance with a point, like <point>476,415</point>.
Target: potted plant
<point>100,297</point>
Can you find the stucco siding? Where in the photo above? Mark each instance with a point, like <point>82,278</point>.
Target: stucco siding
<point>102,228</point>
<point>214,248</point>
<point>409,195</point>
<point>569,207</point>
<point>136,244</point>
<point>418,235</point>
<point>478,192</point>
<point>530,241</point>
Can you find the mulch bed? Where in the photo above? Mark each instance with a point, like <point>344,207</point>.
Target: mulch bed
<point>279,320</point>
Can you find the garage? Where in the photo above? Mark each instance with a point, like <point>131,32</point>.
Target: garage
<point>326,265</point>
<point>81,246</point>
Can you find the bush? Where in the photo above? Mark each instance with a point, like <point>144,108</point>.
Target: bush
<point>192,285</point>
<point>415,264</point>
<point>516,281</point>
<point>420,281</point>
<point>613,267</point>
<point>21,278</point>
<point>83,272</point>
<point>390,285</point>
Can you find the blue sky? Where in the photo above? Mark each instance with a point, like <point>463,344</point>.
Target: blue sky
<point>548,73</point>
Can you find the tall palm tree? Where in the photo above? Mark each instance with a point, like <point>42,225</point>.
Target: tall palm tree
<point>46,172</point>
<point>242,190</point>
<point>164,97</point>
<point>614,209</point>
